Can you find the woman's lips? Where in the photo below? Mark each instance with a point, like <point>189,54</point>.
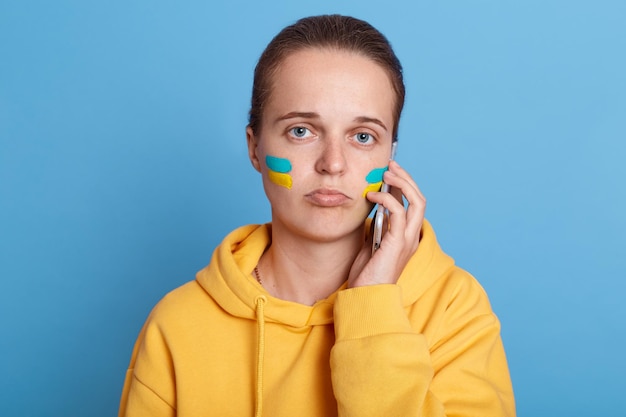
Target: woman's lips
<point>327,197</point>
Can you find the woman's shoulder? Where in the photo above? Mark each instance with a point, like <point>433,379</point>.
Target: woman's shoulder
<point>186,301</point>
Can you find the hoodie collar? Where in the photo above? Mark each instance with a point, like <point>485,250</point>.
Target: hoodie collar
<point>228,278</point>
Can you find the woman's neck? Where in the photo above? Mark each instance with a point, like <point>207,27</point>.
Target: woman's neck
<point>306,271</point>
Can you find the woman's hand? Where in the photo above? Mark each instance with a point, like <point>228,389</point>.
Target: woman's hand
<point>400,235</point>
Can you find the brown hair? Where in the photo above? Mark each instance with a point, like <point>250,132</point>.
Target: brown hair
<point>326,31</point>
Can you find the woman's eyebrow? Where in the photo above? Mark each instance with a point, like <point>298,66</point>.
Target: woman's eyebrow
<point>313,115</point>
<point>365,119</point>
<point>297,115</point>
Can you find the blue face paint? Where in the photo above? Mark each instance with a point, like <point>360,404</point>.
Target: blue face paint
<point>277,171</point>
<point>376,175</point>
<point>276,164</point>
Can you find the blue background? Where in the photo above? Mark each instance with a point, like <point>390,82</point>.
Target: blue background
<point>123,164</point>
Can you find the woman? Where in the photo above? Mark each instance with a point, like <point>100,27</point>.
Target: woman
<point>299,317</point>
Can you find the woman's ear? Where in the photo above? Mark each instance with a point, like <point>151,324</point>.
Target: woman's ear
<point>253,146</point>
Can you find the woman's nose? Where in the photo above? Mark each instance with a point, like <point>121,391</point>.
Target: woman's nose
<point>332,158</point>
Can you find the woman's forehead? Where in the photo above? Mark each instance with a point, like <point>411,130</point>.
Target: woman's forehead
<point>322,80</point>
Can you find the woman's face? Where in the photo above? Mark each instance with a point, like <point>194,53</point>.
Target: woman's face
<point>326,133</point>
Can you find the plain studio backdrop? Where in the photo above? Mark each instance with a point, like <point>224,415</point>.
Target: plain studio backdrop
<point>123,164</point>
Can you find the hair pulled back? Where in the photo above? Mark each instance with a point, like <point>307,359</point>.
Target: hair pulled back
<point>326,31</point>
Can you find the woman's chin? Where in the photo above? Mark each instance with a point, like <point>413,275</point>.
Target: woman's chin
<point>326,230</point>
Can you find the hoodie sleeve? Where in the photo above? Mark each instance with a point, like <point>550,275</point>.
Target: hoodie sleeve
<point>382,366</point>
<point>149,387</point>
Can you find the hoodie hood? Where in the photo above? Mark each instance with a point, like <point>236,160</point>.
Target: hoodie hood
<point>228,278</point>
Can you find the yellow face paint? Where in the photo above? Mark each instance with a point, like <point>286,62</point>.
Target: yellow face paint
<point>372,187</point>
<point>277,171</point>
<point>278,178</point>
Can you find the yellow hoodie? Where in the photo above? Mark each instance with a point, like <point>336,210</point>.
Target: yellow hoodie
<point>222,346</point>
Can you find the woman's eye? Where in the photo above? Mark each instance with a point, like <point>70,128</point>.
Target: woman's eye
<point>300,132</point>
<point>363,138</point>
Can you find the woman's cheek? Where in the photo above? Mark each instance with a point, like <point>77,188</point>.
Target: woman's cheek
<point>278,170</point>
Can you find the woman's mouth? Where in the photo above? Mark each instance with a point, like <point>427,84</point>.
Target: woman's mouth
<point>326,197</point>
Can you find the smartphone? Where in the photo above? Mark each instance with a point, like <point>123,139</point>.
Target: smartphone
<point>381,212</point>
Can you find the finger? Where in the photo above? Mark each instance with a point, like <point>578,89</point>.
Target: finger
<point>397,170</point>
<point>405,224</point>
<point>401,179</point>
<point>387,200</point>
<point>404,187</point>
<point>395,222</point>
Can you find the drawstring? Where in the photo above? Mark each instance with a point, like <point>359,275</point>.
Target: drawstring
<point>260,316</point>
